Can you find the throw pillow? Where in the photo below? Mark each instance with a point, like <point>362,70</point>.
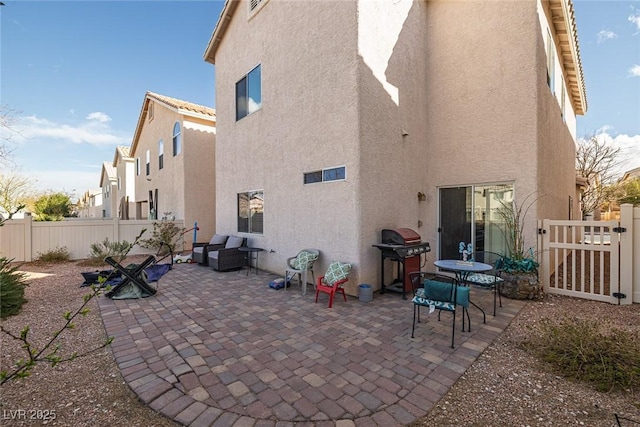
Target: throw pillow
<point>303,260</point>
<point>336,272</point>
<point>441,291</point>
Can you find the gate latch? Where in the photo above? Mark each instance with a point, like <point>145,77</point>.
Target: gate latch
<point>619,295</point>
<point>619,229</point>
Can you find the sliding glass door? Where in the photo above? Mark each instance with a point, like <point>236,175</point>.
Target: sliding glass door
<point>469,215</point>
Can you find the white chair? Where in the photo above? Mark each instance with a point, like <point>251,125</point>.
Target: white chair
<point>299,265</point>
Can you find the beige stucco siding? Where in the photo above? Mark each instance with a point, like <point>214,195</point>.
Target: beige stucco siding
<point>186,192</point>
<point>198,169</point>
<point>482,90</point>
<point>308,121</point>
<point>392,100</point>
<point>409,96</point>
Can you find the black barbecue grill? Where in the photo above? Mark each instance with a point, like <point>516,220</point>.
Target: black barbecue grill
<point>403,246</point>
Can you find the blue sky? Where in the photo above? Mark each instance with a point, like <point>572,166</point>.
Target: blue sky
<point>76,73</point>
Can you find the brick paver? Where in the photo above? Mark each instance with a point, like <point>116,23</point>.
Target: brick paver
<point>220,349</point>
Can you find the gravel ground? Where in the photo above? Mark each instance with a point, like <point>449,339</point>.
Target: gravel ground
<point>504,387</point>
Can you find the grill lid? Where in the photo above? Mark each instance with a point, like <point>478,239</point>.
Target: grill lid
<point>400,236</point>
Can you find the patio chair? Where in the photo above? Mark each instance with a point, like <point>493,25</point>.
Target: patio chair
<point>134,282</point>
<point>200,251</point>
<point>490,279</point>
<point>332,281</point>
<point>299,265</point>
<point>440,293</point>
<point>229,257</point>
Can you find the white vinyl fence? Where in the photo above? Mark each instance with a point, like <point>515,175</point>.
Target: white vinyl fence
<point>598,260</point>
<point>25,239</point>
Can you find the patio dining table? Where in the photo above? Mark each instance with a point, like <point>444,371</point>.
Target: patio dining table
<point>462,270</point>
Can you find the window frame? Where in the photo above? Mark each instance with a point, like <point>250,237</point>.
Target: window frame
<point>148,163</point>
<point>176,139</point>
<point>249,223</point>
<point>161,154</point>
<point>243,91</point>
<point>323,175</point>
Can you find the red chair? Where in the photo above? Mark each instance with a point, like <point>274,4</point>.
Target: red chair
<point>332,281</point>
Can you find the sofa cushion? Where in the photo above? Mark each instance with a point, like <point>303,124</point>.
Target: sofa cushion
<point>234,242</point>
<point>336,272</point>
<point>218,239</point>
<point>304,260</point>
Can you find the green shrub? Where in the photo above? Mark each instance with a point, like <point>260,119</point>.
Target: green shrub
<point>12,284</point>
<point>99,251</point>
<point>59,254</point>
<point>165,235</point>
<point>604,356</point>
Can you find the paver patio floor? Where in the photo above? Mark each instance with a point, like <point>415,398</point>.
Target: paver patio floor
<point>223,349</point>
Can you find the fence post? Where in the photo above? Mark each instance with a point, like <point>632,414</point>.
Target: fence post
<point>28,246</point>
<point>116,229</point>
<point>626,253</point>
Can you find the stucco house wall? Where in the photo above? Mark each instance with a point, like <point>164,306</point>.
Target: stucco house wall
<point>109,185</point>
<point>410,96</point>
<point>187,192</point>
<point>308,121</point>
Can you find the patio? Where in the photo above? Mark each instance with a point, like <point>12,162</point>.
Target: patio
<point>223,349</point>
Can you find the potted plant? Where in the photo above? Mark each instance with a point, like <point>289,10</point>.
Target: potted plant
<point>519,265</point>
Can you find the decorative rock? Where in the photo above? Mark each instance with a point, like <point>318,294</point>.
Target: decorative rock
<point>521,286</point>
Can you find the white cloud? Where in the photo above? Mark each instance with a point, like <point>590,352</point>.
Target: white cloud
<point>634,71</point>
<point>605,35</point>
<point>94,131</point>
<point>635,19</point>
<point>101,117</point>
<point>629,149</point>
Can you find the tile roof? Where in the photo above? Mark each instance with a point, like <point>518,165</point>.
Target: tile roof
<point>182,105</point>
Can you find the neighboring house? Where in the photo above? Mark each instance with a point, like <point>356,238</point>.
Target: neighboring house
<point>630,175</point>
<point>90,204</point>
<point>173,150</point>
<point>126,188</point>
<point>109,185</point>
<point>338,119</point>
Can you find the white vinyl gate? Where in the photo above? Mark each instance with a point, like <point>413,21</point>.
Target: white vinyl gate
<point>582,259</point>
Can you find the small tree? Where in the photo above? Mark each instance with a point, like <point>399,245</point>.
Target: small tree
<point>7,119</point>
<point>52,207</point>
<point>164,238</point>
<point>15,190</point>
<point>596,160</point>
<point>629,192</point>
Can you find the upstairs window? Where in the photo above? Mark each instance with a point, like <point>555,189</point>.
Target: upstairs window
<point>177,139</point>
<point>249,93</point>
<point>148,163</point>
<point>551,62</point>
<point>160,154</point>
<point>137,166</point>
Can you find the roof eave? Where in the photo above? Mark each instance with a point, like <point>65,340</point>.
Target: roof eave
<point>220,29</point>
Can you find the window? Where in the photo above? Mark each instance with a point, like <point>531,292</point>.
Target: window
<point>563,95</point>
<point>551,62</point>
<point>177,139</point>
<point>249,93</point>
<point>148,163</point>
<point>324,175</point>
<point>119,183</point>
<point>160,154</point>
<point>137,166</point>
<point>250,212</point>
